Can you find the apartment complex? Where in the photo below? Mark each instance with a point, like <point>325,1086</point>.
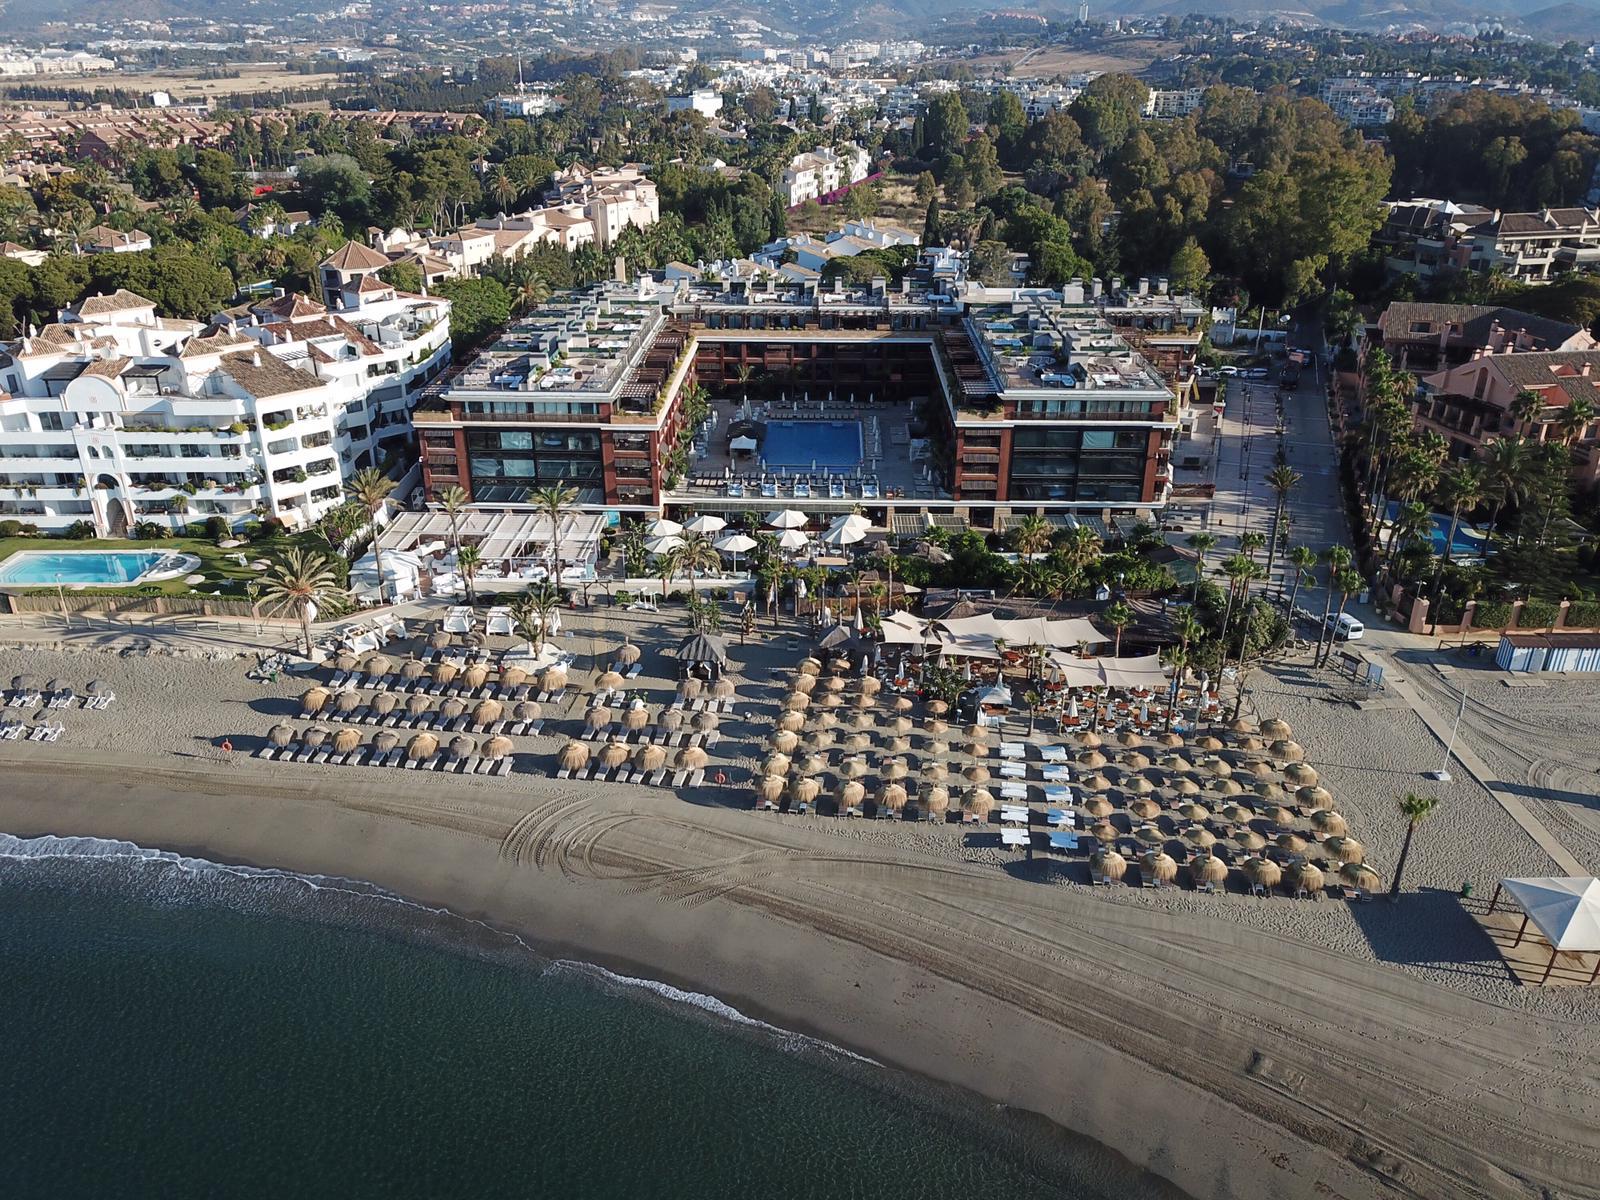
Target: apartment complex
<point>116,416</point>
<point>1357,102</point>
<point>980,407</point>
<point>1430,238</point>
<point>822,171</point>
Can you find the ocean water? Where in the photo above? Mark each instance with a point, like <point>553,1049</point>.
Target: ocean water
<point>177,1029</point>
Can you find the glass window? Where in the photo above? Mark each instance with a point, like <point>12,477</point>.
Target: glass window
<point>512,440</point>
<point>1098,439</point>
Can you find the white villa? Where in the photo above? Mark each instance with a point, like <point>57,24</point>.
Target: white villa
<point>823,170</point>
<point>114,415</point>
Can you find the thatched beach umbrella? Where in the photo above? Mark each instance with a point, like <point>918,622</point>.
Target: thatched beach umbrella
<point>463,746</point>
<point>1305,877</point>
<point>1236,813</point>
<point>830,700</point>
<point>1291,842</point>
<point>804,684</point>
<point>784,741</point>
<point>1144,808</point>
<point>1176,762</point>
<point>574,756</point>
<point>1262,872</point>
<point>892,796</point>
<point>838,664</point>
<point>418,704</point>
<point>938,749</point>
<point>444,673</point>
<point>820,739</point>
<point>893,770</point>
<point>610,681</point>
<point>1134,761</point>
<point>853,768</point>
<point>379,665</point>
<point>1314,797</point>
<point>936,799</point>
<point>936,727</point>
<point>706,722</point>
<point>770,788</point>
<point>1199,835</point>
<point>1268,791</point>
<point>851,794</point>
<point>804,790</point>
<point>857,742</point>
<point>1208,742</point>
<point>1090,738</point>
<point>977,735</point>
<point>1207,868</point>
<point>1325,820</point>
<point>1184,786</point>
<point>346,702</point>
<point>422,746</point>
<point>412,670</point>
<point>346,740</point>
<point>797,702</point>
<point>901,726</point>
<point>1229,787</point>
<point>978,801</point>
<point>1097,806</point>
<point>1150,835</point>
<point>487,712</point>
<point>1158,866</point>
<point>723,689</point>
<point>1344,849</point>
<point>1092,759</point>
<point>513,677</point>
<point>794,722</point>
<point>863,721</point>
<point>777,764</point>
<point>1138,785</point>
<point>976,773</point>
<point>1108,864</point>
<point>636,718</point>
<point>553,679</point>
<point>497,747</point>
<point>452,708</point>
<point>613,754</point>
<point>1094,783</point>
<point>1249,839</point>
<point>1104,832</point>
<point>280,735</point>
<point>1262,771</point>
<point>862,703</point>
<point>937,708</point>
<point>1299,774</point>
<point>1171,739</point>
<point>1129,739</point>
<point>1286,751</point>
<point>690,758</point>
<point>826,720</point>
<point>1276,814</point>
<point>474,677</point>
<point>691,688</point>
<point>627,654</point>
<point>1361,876</point>
<point>1194,812</point>
<point>903,705</point>
<point>809,666</point>
<point>935,772</point>
<point>1275,729</point>
<point>384,741</point>
<point>898,745</point>
<point>813,764</point>
<point>314,700</point>
<point>1216,766</point>
<point>649,758</point>
<point>834,683</point>
<point>343,662</point>
<point>871,685</point>
<point>438,639</point>
<point>1250,743</point>
<point>1240,725</point>
<point>597,718</point>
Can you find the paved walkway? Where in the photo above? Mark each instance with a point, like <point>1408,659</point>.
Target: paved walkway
<point>1440,725</point>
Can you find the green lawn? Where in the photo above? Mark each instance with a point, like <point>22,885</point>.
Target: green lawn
<point>222,573</point>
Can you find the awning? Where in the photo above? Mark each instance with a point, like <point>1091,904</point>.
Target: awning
<point>1565,909</point>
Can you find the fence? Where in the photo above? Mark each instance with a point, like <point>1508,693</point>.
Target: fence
<point>204,606</point>
<point>1499,616</point>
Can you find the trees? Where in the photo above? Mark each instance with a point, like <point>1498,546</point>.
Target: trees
<point>337,184</point>
<point>303,582</point>
<point>1202,544</point>
<point>478,309</point>
<point>370,488</point>
<point>1282,479</point>
<point>454,501</point>
<point>945,126</point>
<point>1119,616</point>
<point>1461,490</point>
<point>1032,536</point>
<point>991,263</point>
<point>1304,561</point>
<point>1189,267</point>
<point>468,560</point>
<point>556,502</point>
<point>533,613</point>
<point>1349,582</point>
<point>1338,558</point>
<point>1415,809</point>
<point>1527,409</point>
<point>1505,475</point>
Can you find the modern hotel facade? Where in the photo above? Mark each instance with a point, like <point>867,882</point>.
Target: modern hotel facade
<point>983,406</point>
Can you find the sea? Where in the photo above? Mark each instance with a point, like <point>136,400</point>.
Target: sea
<point>176,1028</point>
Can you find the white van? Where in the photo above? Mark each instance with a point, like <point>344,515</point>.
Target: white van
<point>1345,628</point>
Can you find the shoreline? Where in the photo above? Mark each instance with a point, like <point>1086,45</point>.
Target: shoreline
<point>1107,1020</point>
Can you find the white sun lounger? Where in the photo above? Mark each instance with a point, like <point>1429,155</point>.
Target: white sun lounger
<point>1014,814</point>
<point>458,620</point>
<point>499,621</point>
<point>1053,754</point>
<point>1013,836</point>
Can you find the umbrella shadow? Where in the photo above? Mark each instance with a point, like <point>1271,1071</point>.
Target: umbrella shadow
<point>1430,928</point>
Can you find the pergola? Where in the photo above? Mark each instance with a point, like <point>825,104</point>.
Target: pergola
<point>1565,909</point>
<point>504,536</point>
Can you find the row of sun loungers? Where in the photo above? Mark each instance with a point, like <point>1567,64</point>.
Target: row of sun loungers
<point>490,691</point>
<point>16,731</point>
<point>365,756</point>
<point>65,698</point>
<point>433,721</point>
<point>652,736</point>
<point>660,777</point>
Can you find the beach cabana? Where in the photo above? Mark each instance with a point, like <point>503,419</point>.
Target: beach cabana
<point>1564,909</point>
<point>704,655</point>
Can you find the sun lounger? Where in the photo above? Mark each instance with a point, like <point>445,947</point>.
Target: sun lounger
<point>266,752</point>
<point>563,773</point>
<point>1013,770</point>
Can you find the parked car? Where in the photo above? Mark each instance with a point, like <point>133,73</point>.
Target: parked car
<point>1256,373</point>
<point>1345,628</point>
<point>1227,370</point>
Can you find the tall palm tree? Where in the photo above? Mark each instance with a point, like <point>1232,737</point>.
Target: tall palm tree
<point>1349,582</point>
<point>302,581</point>
<point>1032,536</point>
<point>1506,474</point>
<point>1304,561</point>
<point>697,555</point>
<point>1575,419</point>
<point>371,488</point>
<point>1415,809</point>
<point>1282,479</point>
<point>531,293</point>
<point>1527,408</point>
<point>1201,543</point>
<point>1241,571</point>
<point>1412,522</point>
<point>468,560</point>
<point>1338,558</point>
<point>503,189</point>
<point>1081,547</point>
<point>556,502</point>
<point>1250,542</point>
<point>454,501</point>
<point>1119,616</point>
<point>1461,490</point>
<point>533,613</point>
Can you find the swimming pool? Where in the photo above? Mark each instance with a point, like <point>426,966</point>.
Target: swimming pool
<point>100,568</point>
<point>809,445</point>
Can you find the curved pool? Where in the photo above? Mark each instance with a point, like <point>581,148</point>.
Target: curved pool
<point>94,568</point>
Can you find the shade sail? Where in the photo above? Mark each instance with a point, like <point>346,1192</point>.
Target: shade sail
<point>1566,909</point>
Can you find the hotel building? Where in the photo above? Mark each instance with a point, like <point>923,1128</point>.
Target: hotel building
<point>115,416</point>
<point>909,402</point>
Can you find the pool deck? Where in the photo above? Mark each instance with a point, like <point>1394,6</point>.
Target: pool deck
<point>898,478</point>
<point>51,577</point>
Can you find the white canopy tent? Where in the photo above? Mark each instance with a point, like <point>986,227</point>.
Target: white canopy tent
<point>506,539</point>
<point>1565,909</point>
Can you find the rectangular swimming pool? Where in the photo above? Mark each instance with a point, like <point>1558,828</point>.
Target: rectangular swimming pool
<point>93,567</point>
<point>812,445</point>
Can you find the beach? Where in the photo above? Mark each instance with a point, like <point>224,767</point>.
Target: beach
<point>1230,1045</point>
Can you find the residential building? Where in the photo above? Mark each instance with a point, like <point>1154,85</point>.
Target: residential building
<point>1357,102</point>
<point>612,199</point>
<point>22,254</point>
<point>1535,247</point>
<point>820,172</point>
<point>1422,337</point>
<point>705,101</point>
<point>102,239</point>
<point>530,102</point>
<point>1171,105</point>
<point>114,415</point>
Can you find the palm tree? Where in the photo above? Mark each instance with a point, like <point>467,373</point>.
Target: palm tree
<point>370,488</point>
<point>1178,659</point>
<point>556,502</point>
<point>503,189</point>
<point>1461,491</point>
<point>1349,582</point>
<point>1527,409</point>
<point>1081,547</point>
<point>1415,809</point>
<point>1282,479</point>
<point>303,581</point>
<point>1202,544</point>
<point>1304,561</point>
<point>1241,570</point>
<point>178,505</point>
<point>1119,616</point>
<point>1250,542</point>
<point>1506,474</point>
<point>1412,523</point>
<point>1574,419</point>
<point>1338,558</point>
<point>697,554</point>
<point>454,501</point>
<point>1032,536</point>
<point>533,612</point>
<point>531,293</point>
<point>468,560</point>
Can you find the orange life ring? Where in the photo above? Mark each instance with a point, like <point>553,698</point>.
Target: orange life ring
<point>720,777</point>
<point>227,746</point>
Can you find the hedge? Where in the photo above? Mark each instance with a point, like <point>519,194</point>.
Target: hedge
<point>1491,614</point>
<point>1583,614</point>
<point>1538,614</point>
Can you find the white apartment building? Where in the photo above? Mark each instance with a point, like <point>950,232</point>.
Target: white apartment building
<point>704,101</point>
<point>1172,105</point>
<point>116,416</point>
<point>612,198</point>
<point>823,170</point>
<point>1357,101</point>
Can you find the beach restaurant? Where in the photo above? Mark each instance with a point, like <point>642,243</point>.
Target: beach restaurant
<point>512,546</point>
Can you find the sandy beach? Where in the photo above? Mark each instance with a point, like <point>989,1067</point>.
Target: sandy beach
<point>1233,1046</point>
